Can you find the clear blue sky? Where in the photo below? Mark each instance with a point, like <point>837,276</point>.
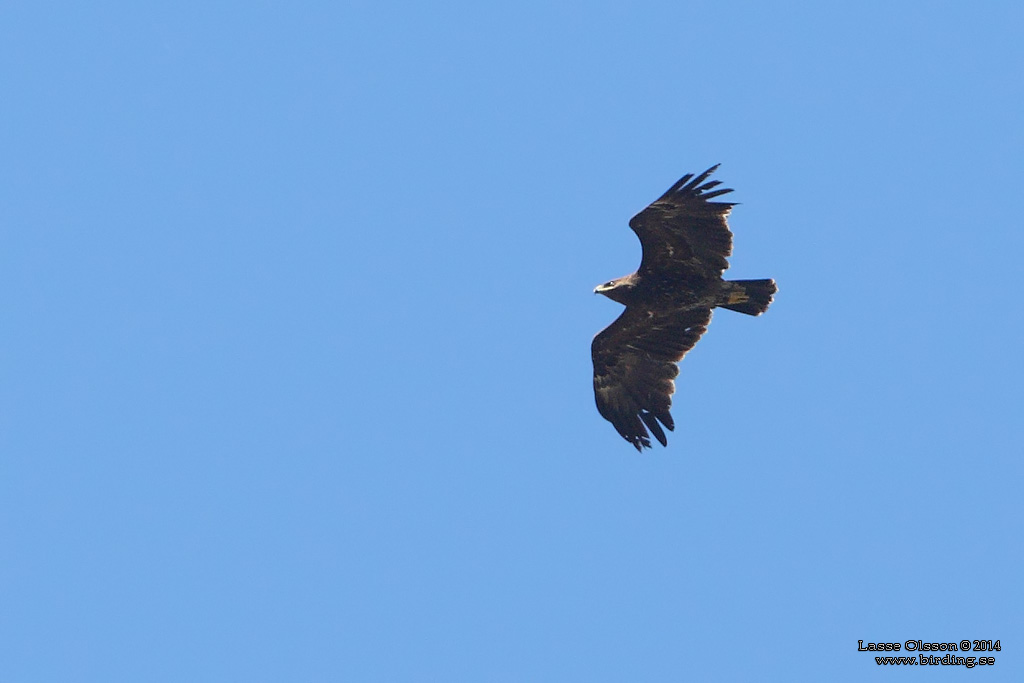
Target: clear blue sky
<point>297,306</point>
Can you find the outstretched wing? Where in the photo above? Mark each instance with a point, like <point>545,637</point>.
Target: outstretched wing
<point>634,364</point>
<point>684,235</point>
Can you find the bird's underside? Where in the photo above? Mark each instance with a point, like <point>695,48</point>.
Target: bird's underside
<point>686,241</point>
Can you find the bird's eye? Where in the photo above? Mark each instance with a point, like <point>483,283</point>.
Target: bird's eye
<point>610,283</point>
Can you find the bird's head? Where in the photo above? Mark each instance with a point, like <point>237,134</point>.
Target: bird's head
<point>616,290</point>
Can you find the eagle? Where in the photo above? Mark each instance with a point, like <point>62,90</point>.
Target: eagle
<point>685,240</point>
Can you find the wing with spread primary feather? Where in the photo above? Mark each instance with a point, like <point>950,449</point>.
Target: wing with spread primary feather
<point>634,367</point>
<point>683,233</point>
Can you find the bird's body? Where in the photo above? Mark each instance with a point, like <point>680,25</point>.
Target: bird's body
<point>668,302</point>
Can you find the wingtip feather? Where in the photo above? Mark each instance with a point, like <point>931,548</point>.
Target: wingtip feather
<point>691,185</point>
<point>675,186</point>
<point>652,423</point>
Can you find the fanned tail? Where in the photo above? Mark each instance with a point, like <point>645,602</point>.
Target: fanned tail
<point>749,296</point>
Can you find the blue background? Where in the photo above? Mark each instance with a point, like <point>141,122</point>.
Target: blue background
<point>296,313</point>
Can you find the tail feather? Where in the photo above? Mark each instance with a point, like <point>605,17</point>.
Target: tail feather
<point>749,296</point>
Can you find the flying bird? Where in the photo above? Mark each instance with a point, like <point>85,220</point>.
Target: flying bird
<point>685,240</point>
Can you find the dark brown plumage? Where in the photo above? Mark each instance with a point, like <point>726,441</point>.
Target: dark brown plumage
<point>668,301</point>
